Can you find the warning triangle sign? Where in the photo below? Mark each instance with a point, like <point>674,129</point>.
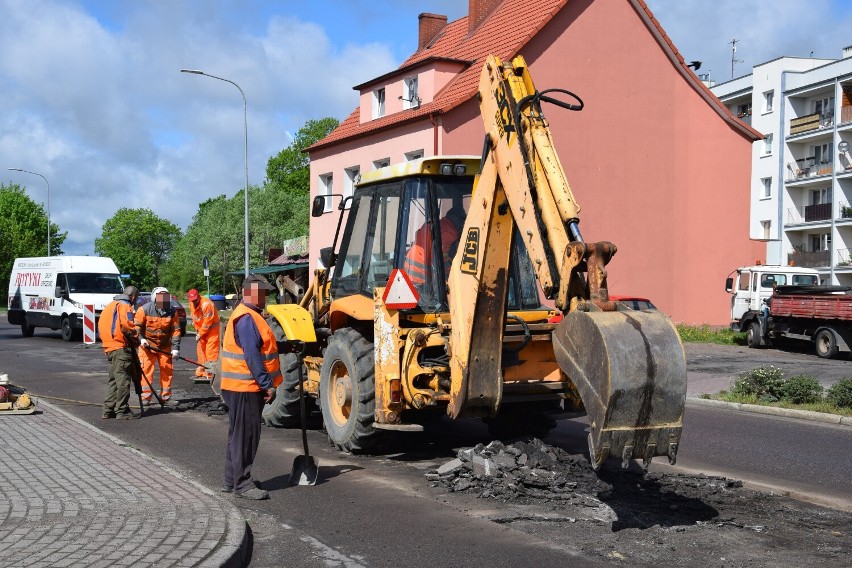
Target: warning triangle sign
<point>400,293</point>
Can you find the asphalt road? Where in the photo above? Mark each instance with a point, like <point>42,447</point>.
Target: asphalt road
<point>379,511</point>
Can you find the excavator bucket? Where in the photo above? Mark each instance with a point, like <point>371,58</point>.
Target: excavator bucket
<point>630,369</point>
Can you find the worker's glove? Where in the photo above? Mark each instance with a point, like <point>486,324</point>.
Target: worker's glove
<point>144,343</point>
<point>270,395</point>
<point>175,353</point>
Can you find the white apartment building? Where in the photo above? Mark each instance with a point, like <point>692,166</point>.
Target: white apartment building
<point>801,182</point>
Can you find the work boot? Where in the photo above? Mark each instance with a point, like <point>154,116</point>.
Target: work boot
<point>226,489</point>
<point>127,416</point>
<point>107,415</point>
<point>146,403</point>
<point>253,493</point>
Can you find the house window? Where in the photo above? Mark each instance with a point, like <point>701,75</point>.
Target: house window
<point>349,180</point>
<point>767,187</point>
<point>767,229</point>
<point>767,145</point>
<point>820,196</point>
<point>383,163</point>
<point>768,101</point>
<point>379,103</point>
<point>409,97</point>
<point>326,182</point>
<point>825,109</point>
<point>823,154</point>
<point>415,155</point>
<point>821,242</point>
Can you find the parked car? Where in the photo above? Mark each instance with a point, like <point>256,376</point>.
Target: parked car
<point>145,297</point>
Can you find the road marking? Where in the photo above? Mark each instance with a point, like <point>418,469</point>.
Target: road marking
<point>330,556</point>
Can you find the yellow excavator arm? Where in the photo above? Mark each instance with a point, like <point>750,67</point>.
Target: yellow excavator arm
<point>628,366</point>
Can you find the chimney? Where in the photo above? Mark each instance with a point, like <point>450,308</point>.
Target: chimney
<point>430,25</point>
<point>477,11</point>
<point>847,51</point>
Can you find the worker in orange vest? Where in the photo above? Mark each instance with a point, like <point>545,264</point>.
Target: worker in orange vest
<point>159,327</point>
<point>418,260</point>
<point>250,373</point>
<point>119,337</point>
<point>205,318</point>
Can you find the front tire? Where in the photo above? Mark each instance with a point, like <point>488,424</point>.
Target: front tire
<point>826,344</point>
<point>755,336</point>
<point>66,330</point>
<point>348,391</point>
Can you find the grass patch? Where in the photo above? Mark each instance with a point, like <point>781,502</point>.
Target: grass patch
<point>826,407</point>
<point>706,334</point>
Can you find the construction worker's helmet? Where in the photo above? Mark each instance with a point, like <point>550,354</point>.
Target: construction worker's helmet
<point>158,290</point>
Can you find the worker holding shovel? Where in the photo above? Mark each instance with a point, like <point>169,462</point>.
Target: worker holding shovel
<point>250,373</point>
<point>159,327</point>
<point>205,318</point>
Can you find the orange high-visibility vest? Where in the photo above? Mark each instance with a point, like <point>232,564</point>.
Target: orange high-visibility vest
<point>418,259</point>
<point>163,332</point>
<point>236,375</point>
<point>205,317</point>
<point>115,321</point>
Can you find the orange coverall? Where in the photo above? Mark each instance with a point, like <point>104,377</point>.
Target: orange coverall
<point>162,330</point>
<point>205,318</point>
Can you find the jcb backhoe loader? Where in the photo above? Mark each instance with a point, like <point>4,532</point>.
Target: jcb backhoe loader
<point>434,301</point>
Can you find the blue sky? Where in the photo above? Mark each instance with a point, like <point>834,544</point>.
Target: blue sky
<point>92,98</point>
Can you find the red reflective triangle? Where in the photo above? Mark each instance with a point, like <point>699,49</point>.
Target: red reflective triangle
<point>400,293</point>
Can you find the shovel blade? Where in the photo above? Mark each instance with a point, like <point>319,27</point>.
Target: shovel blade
<point>305,471</point>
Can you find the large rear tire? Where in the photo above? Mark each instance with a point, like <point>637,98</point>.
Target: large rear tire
<point>826,344</point>
<point>284,411</point>
<point>26,329</point>
<point>348,391</point>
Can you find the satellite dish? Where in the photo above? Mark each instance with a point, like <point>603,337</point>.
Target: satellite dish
<point>843,146</point>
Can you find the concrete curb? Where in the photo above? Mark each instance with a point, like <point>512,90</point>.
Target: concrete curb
<point>773,411</point>
<point>234,548</point>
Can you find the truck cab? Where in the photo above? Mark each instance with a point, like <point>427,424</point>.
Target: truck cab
<point>754,284</point>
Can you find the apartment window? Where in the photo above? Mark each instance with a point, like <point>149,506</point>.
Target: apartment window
<point>383,163</point>
<point>379,103</point>
<point>821,242</point>
<point>326,183</point>
<point>823,154</point>
<point>767,145</point>
<point>824,106</point>
<point>767,187</point>
<point>767,229</point>
<point>410,98</point>
<point>744,110</point>
<point>349,180</point>
<point>820,196</point>
<point>768,101</point>
<point>415,155</point>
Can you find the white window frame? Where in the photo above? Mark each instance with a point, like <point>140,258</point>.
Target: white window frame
<point>768,101</point>
<point>379,102</point>
<point>767,145</point>
<point>766,188</point>
<point>326,182</point>
<point>767,229</point>
<point>382,163</point>
<point>413,155</point>
<point>410,98</point>
<point>349,179</point>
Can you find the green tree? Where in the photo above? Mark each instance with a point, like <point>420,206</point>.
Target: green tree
<point>289,170</point>
<point>23,231</point>
<point>139,242</point>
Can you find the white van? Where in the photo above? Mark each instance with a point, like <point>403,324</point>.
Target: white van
<point>51,292</point>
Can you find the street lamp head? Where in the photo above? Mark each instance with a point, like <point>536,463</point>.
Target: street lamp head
<point>15,170</point>
<point>193,71</point>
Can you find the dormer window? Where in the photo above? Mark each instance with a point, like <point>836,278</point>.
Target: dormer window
<point>410,98</point>
<point>379,103</point>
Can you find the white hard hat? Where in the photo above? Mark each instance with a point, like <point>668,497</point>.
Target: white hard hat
<point>158,290</point>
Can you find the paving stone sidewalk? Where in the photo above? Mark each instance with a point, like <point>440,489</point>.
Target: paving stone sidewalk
<point>72,495</point>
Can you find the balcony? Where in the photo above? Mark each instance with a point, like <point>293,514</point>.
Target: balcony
<point>818,259</point>
<point>811,122</point>
<point>805,168</point>
<point>844,210</point>
<point>809,214</point>
<point>844,258</point>
<point>846,114</point>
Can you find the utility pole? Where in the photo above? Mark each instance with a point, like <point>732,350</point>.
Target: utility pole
<point>734,59</point>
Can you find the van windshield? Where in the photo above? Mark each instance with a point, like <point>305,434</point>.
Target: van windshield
<point>94,283</point>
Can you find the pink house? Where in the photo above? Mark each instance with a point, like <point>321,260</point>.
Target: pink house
<point>658,164</point>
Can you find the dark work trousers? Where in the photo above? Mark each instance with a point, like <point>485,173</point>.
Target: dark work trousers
<point>244,412</point>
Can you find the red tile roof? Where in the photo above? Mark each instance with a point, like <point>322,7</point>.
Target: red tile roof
<point>503,33</point>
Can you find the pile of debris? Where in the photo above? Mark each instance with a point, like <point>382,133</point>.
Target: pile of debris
<point>522,469</point>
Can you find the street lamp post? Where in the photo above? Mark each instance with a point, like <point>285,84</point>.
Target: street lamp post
<point>48,201</point>
<point>245,130</point>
